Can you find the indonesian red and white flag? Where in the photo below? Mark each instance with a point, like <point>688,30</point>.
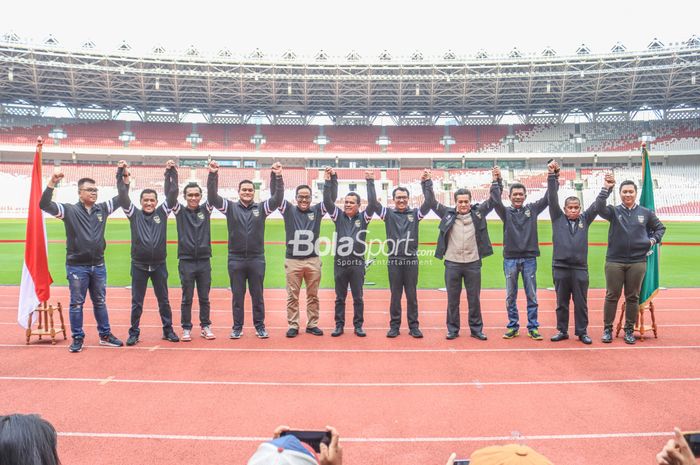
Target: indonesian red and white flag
<point>36,279</point>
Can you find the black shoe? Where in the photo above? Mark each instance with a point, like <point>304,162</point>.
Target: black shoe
<point>262,333</point>
<point>110,341</point>
<point>316,331</point>
<point>452,335</point>
<point>338,331</point>
<point>629,337</point>
<point>480,336</point>
<point>76,346</point>
<point>360,332</point>
<point>393,332</point>
<point>585,339</point>
<point>132,340</point>
<point>415,332</point>
<point>171,336</point>
<point>293,332</point>
<point>607,335</point>
<point>559,337</point>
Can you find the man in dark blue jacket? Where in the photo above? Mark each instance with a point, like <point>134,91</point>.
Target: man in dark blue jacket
<point>633,232</point>
<point>520,252</point>
<point>149,229</point>
<point>570,258</point>
<point>463,241</point>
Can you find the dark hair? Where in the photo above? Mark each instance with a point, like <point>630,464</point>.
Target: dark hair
<point>354,194</point>
<point>300,187</point>
<point>628,183</point>
<point>192,185</point>
<point>27,440</point>
<point>245,181</point>
<point>463,192</point>
<point>399,189</point>
<point>148,191</point>
<point>572,199</point>
<point>82,181</point>
<point>517,185</point>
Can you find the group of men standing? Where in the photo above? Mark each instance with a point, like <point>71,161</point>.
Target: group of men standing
<point>463,242</point>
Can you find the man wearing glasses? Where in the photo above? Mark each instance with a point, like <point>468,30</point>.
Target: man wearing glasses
<point>302,225</point>
<point>85,224</point>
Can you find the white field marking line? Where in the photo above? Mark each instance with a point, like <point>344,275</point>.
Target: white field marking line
<point>476,384</point>
<point>184,347</point>
<point>540,437</point>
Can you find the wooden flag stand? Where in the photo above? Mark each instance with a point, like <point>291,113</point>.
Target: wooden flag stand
<point>47,325</point>
<point>640,327</point>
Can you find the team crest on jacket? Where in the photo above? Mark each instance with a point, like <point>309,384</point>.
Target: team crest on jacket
<point>478,214</point>
<point>527,213</point>
<point>311,216</point>
<point>409,217</point>
<point>99,217</point>
<point>641,219</point>
<point>200,215</point>
<point>580,225</point>
<point>256,212</point>
<point>156,219</point>
<point>357,223</point>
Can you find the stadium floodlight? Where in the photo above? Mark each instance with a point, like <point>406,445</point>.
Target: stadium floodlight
<point>11,74</point>
<point>417,90</point>
<point>692,78</point>
<point>157,85</point>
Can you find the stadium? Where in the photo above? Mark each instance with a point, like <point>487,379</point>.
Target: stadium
<point>412,401</point>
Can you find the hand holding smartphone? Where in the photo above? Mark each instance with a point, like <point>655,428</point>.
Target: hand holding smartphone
<point>312,438</point>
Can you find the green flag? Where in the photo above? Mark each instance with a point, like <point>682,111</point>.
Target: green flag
<point>650,285</point>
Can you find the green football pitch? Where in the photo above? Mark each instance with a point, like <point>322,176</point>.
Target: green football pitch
<point>677,261</point>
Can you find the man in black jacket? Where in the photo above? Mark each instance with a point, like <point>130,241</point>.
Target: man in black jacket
<point>302,225</point>
<point>633,232</point>
<point>85,224</point>
<point>194,254</point>
<point>149,228</point>
<point>520,252</point>
<point>245,220</point>
<point>401,224</point>
<point>463,241</point>
<point>349,264</point>
<point>570,257</point>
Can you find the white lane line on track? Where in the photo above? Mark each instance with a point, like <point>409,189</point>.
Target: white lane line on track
<point>541,437</point>
<point>477,384</point>
<point>183,347</point>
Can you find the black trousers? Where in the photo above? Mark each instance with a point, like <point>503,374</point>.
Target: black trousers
<point>568,283</point>
<point>139,281</point>
<point>195,272</point>
<point>252,272</point>
<point>403,277</point>
<point>352,274</point>
<point>470,275</point>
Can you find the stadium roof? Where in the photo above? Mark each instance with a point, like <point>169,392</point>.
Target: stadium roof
<point>352,89</point>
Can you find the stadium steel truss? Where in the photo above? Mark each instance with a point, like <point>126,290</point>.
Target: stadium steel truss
<point>288,89</point>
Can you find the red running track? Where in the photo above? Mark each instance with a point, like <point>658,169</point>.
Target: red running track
<point>394,401</point>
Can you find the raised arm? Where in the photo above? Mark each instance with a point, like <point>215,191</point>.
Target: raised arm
<point>497,201</point>
<point>605,211</point>
<point>426,185</point>
<point>373,205</point>
<point>555,210</point>
<point>213,186</point>
<point>46,203</point>
<point>539,206</point>
<point>170,184</point>
<point>495,190</point>
<point>330,185</point>
<point>123,181</point>
<point>277,192</point>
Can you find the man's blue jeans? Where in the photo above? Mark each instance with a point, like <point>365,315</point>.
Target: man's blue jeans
<point>82,279</point>
<point>512,267</point>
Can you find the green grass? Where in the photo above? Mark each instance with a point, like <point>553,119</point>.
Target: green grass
<point>676,261</point>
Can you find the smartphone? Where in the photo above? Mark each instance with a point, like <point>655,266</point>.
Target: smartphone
<point>693,440</point>
<point>312,438</point>
<point>461,462</point>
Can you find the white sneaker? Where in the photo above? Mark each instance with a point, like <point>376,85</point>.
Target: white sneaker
<point>186,335</point>
<point>206,333</point>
